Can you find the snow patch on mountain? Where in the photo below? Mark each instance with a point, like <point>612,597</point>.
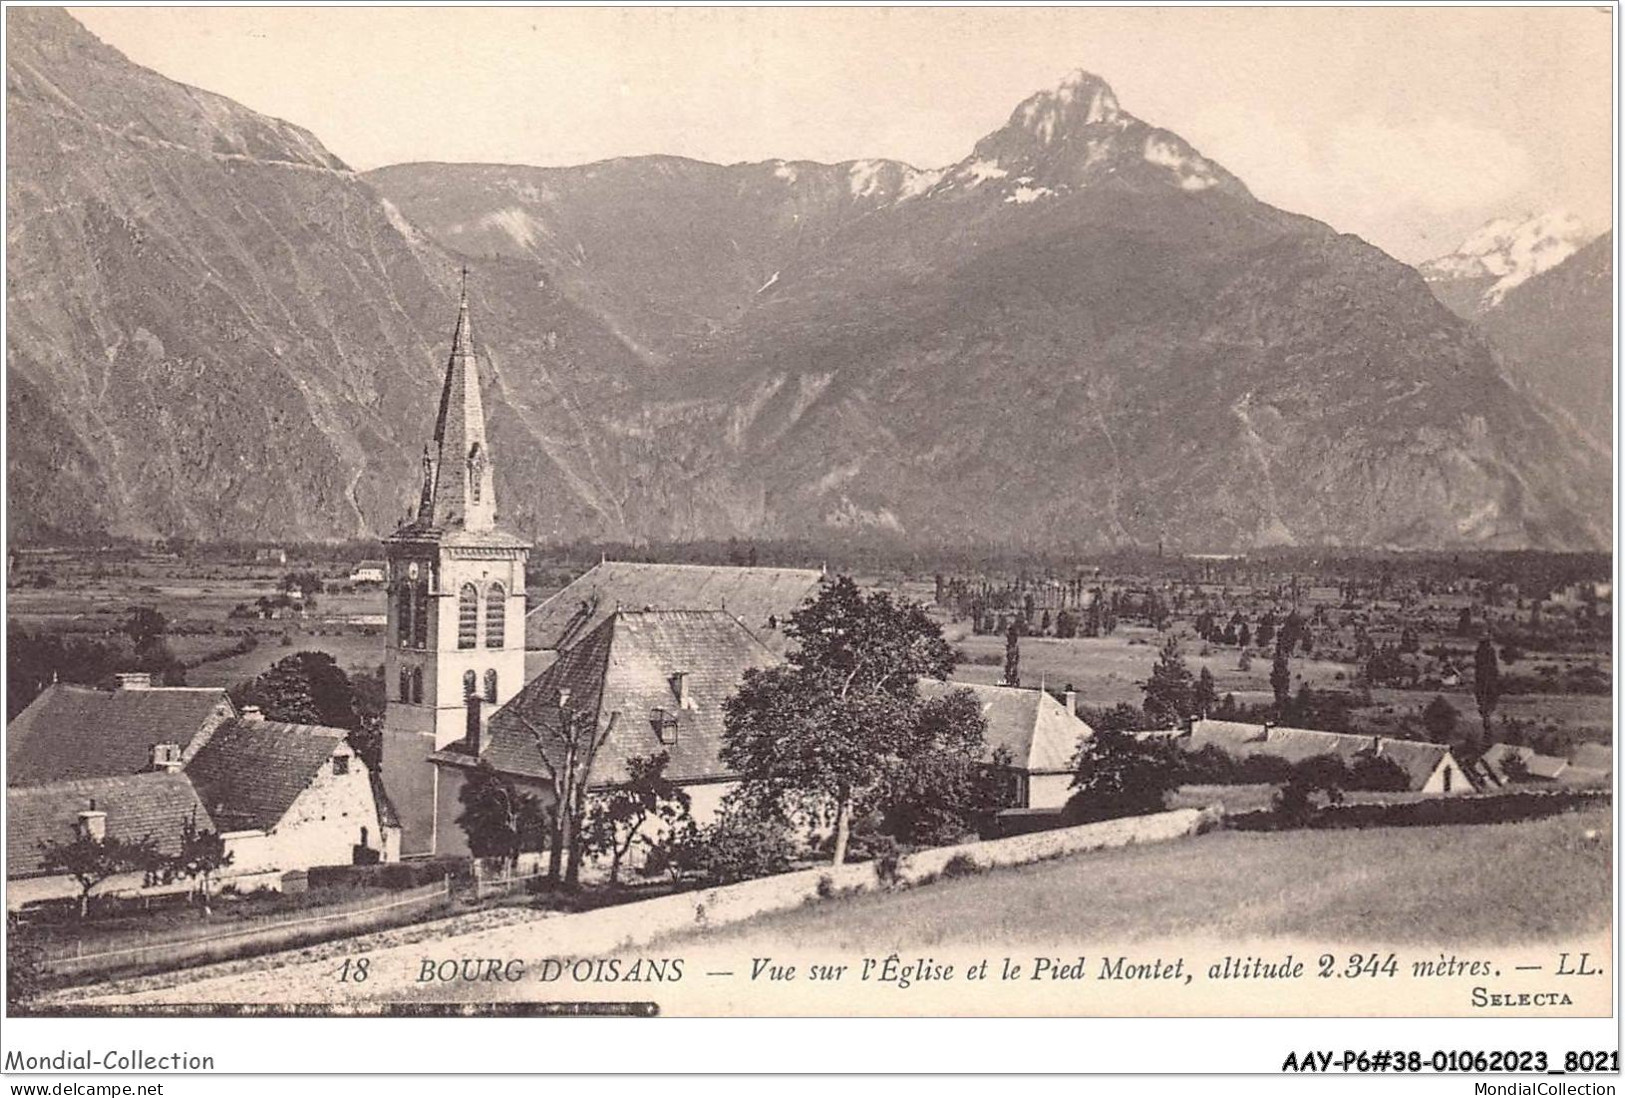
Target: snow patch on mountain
<point>1165,151</point>
<point>519,224</point>
<point>1023,194</point>
<point>980,171</point>
<point>785,172</point>
<point>864,178</point>
<point>918,183</point>
<point>1511,250</point>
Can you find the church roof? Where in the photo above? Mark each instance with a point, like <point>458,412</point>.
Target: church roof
<point>459,484</point>
<point>251,771</point>
<point>624,670</point>
<point>1037,730</point>
<point>71,732</point>
<point>762,598</point>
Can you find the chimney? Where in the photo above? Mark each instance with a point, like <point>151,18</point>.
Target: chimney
<point>164,757</point>
<point>476,722</point>
<point>134,680</point>
<point>92,824</point>
<point>679,687</point>
<point>253,713</point>
<point>1071,700</point>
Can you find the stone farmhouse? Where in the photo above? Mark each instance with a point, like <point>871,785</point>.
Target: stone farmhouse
<point>1430,767</point>
<point>1041,735</point>
<point>142,761</point>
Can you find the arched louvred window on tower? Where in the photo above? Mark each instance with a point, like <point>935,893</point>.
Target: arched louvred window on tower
<point>406,685</point>
<point>491,686</point>
<point>468,617</point>
<point>403,612</point>
<point>420,613</point>
<point>496,616</point>
<point>470,684</point>
<point>417,685</point>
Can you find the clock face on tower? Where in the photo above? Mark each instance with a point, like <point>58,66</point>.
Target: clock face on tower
<point>412,571</point>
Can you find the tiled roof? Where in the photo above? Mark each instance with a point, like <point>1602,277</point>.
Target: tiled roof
<point>1225,735</point>
<point>625,667</point>
<point>755,596</point>
<point>138,806</point>
<point>71,732</point>
<point>1418,760</point>
<point>1038,731</point>
<point>250,772</point>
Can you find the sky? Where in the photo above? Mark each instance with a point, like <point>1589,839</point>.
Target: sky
<point>1408,127</point>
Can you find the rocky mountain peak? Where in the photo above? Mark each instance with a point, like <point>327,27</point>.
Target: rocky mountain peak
<point>1075,135</point>
<point>1081,99</point>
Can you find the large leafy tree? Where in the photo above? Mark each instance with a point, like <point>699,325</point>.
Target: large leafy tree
<point>1205,697</point>
<point>1440,718</point>
<point>90,860</point>
<point>943,787</point>
<point>1486,683</point>
<point>145,626</point>
<point>307,687</point>
<point>1120,774</point>
<point>1170,691</point>
<point>202,854</point>
<point>618,818</point>
<point>500,819</point>
<point>825,730</point>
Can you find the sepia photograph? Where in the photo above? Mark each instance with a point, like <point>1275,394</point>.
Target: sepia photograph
<point>824,513</point>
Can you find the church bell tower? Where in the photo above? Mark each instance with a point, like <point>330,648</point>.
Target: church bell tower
<point>456,623</point>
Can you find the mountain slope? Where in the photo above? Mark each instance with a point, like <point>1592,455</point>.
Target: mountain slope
<point>1556,333</point>
<point>216,329</point>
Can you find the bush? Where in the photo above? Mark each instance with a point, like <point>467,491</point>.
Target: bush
<point>735,848</point>
<point>1378,773</point>
<point>961,865</point>
<point>1263,770</point>
<point>391,875</point>
<point>1121,775</point>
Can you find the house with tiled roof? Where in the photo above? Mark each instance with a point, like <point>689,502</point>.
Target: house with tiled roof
<point>71,732</point>
<point>128,807</point>
<point>1430,767</point>
<point>283,797</point>
<point>1039,735</point>
<point>643,681</point>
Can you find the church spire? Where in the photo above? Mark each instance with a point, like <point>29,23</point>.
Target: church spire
<point>464,493</point>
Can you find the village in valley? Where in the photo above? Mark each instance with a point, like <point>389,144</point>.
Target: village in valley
<point>214,752</point>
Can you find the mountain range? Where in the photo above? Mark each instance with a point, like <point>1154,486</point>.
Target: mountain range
<point>1084,334</point>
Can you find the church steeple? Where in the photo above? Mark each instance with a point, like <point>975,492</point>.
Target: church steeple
<point>462,493</point>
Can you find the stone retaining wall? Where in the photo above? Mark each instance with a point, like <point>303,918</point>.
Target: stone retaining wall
<point>625,927</point>
<point>636,923</point>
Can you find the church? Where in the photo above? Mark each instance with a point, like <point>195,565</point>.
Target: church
<point>647,653</point>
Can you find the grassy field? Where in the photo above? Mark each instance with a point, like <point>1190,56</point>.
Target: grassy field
<point>1108,670</point>
<point>1512,884</point>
